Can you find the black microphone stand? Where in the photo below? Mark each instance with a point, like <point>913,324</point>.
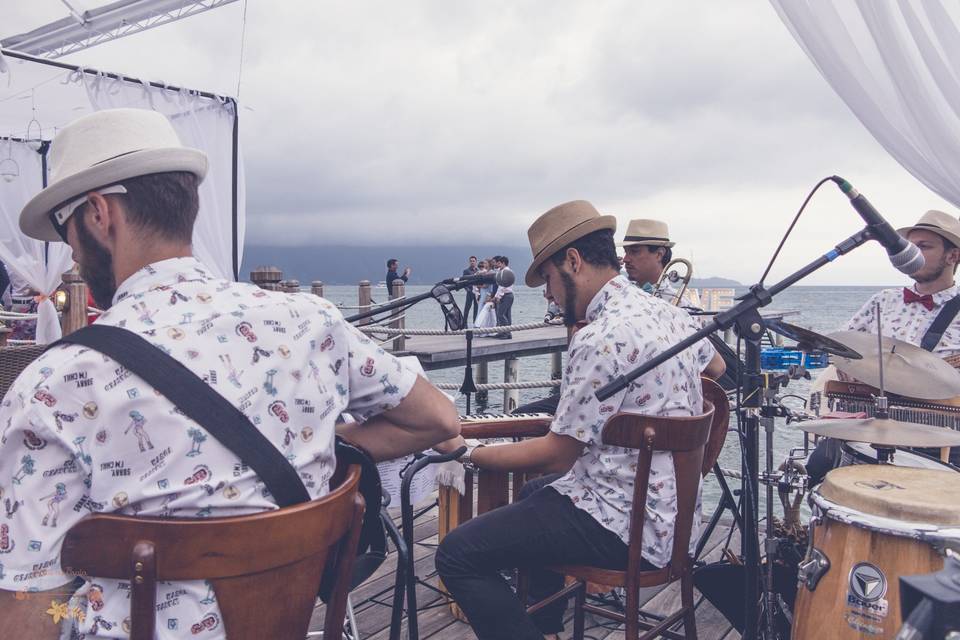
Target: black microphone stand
<point>745,318</point>
<point>407,301</point>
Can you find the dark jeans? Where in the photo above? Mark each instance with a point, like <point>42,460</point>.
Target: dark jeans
<point>471,302</point>
<point>542,528</point>
<point>504,310</point>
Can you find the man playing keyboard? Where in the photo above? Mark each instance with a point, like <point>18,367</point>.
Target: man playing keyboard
<point>579,513</point>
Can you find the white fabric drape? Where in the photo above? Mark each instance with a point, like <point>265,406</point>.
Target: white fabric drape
<point>202,123</point>
<point>896,64</point>
<point>38,263</point>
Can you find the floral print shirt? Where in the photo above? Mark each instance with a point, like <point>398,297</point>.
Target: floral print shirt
<point>80,434</point>
<point>908,321</point>
<point>628,327</point>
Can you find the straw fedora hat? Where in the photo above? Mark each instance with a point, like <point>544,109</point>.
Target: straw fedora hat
<point>102,149</point>
<point>648,232</point>
<point>940,223</point>
<point>559,227</point>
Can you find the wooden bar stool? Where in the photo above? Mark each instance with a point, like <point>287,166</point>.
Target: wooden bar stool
<point>276,557</point>
<point>685,438</point>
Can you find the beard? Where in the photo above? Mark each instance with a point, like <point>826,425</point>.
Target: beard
<point>935,272</point>
<point>569,299</point>
<point>97,267</point>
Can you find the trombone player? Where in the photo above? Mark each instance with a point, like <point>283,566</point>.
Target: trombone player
<point>648,255</point>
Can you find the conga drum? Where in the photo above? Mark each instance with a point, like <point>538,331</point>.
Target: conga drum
<point>871,525</point>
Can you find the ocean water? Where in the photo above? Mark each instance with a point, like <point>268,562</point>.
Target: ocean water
<point>823,309</point>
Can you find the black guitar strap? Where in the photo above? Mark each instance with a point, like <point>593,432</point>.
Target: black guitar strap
<point>933,335</point>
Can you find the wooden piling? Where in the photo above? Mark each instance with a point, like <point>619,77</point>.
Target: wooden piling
<point>267,277</point>
<point>511,373</point>
<point>482,377</point>
<point>398,322</point>
<point>363,299</point>
<point>316,288</point>
<point>74,315</point>
<point>290,286</point>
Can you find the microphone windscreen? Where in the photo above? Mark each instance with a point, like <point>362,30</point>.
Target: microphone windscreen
<point>505,277</point>
<point>909,260</point>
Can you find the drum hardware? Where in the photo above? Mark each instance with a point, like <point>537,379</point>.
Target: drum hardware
<point>808,340</point>
<point>673,277</point>
<point>813,568</point>
<point>910,371</point>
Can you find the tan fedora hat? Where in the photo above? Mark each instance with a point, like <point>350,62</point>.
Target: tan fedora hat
<point>648,232</point>
<point>101,149</point>
<point>559,227</point>
<point>938,222</point>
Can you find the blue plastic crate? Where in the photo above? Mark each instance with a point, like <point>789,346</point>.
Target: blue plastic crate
<point>784,357</point>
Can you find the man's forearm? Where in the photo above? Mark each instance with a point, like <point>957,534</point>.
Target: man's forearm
<point>532,455</point>
<point>385,440</point>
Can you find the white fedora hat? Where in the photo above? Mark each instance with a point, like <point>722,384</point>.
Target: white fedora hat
<point>653,233</point>
<point>938,222</point>
<point>102,149</point>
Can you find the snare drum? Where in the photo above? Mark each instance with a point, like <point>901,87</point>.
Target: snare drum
<point>860,453</point>
<point>871,525</point>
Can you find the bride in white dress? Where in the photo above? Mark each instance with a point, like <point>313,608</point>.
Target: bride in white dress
<point>487,316</point>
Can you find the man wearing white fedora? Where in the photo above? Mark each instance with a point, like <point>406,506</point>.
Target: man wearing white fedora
<point>579,512</point>
<point>647,249</point>
<point>124,194</point>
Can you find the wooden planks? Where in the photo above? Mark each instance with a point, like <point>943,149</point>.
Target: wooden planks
<point>441,352</point>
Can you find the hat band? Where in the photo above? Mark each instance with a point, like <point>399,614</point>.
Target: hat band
<point>642,238</point>
<point>929,226</point>
<point>547,245</point>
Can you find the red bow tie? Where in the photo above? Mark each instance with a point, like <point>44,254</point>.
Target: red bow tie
<point>910,296</point>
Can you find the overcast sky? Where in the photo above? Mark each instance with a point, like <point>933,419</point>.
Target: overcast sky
<point>451,122</point>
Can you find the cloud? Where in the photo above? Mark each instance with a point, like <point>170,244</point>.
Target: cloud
<point>457,122</point>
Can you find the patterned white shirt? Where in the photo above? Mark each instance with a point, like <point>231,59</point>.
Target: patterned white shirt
<point>628,327</point>
<point>81,434</point>
<point>908,321</point>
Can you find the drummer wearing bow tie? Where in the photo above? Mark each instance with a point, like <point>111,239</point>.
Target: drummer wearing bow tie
<point>909,313</point>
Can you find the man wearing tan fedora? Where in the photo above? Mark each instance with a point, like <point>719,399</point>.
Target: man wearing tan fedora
<point>908,313</point>
<point>83,434</point>
<point>579,512</point>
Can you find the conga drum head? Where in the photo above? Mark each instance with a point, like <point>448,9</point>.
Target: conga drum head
<point>898,493</point>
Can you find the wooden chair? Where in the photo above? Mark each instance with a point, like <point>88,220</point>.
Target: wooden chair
<point>685,438</point>
<point>719,427</point>
<point>13,360</point>
<point>265,568</point>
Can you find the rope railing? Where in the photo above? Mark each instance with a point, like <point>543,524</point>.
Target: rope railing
<point>460,332</point>
<point>493,386</point>
<point>372,304</point>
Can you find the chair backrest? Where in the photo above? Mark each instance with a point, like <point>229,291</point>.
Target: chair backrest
<point>13,360</point>
<point>715,395</point>
<point>265,568</point>
<point>684,437</point>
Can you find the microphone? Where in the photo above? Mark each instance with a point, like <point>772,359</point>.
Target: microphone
<point>501,277</point>
<point>903,254</point>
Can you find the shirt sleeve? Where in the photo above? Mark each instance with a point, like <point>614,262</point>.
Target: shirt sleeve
<point>864,319</point>
<point>377,380</point>
<point>579,414</point>
<point>43,486</point>
<point>704,349</point>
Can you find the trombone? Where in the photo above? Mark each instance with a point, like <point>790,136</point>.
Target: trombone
<point>671,275</point>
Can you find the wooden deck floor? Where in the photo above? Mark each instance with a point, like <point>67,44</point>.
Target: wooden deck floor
<point>436,622</point>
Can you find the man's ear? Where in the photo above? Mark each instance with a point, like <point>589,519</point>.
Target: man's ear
<point>574,259</point>
<point>101,216</point>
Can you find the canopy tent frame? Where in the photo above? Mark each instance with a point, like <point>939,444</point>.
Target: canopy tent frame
<point>116,20</point>
<point>235,173</point>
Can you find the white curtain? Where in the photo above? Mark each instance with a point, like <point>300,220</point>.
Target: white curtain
<point>897,66</point>
<point>202,123</point>
<point>38,263</point>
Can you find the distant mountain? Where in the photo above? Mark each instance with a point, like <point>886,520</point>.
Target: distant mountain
<point>714,282</point>
<point>339,264</point>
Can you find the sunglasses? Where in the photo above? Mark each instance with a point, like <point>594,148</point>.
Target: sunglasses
<point>60,215</point>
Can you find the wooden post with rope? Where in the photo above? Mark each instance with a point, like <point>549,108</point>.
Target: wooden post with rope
<point>74,314</point>
<point>316,288</point>
<point>397,321</point>
<point>364,299</point>
<point>267,277</point>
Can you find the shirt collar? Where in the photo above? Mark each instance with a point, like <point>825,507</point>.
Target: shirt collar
<point>941,296</point>
<point>614,286</point>
<point>165,272</point>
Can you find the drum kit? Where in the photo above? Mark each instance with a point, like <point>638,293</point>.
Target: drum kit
<point>886,511</point>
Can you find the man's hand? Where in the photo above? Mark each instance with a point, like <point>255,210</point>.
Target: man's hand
<point>553,453</point>
<point>451,445</point>
<point>407,270</point>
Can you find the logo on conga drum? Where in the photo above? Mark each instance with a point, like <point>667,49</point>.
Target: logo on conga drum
<point>867,583</point>
<point>879,485</point>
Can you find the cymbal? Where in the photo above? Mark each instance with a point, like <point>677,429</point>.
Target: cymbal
<point>907,370</point>
<point>883,431</point>
<point>808,340</point>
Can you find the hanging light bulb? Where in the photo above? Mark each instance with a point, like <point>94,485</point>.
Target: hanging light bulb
<point>34,143</point>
